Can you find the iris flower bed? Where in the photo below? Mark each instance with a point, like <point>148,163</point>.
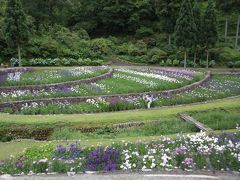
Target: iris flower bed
<point>123,81</point>
<point>50,76</point>
<point>90,106</point>
<point>189,153</point>
<point>218,87</point>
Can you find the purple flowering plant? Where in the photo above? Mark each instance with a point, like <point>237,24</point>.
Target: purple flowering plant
<point>71,153</point>
<point>107,159</point>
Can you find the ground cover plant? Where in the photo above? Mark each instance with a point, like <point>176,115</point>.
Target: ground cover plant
<point>186,152</point>
<point>50,76</point>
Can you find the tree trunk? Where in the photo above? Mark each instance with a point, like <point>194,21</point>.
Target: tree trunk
<point>19,55</point>
<point>226,28</point>
<point>194,59</point>
<point>207,59</point>
<point>169,39</point>
<point>237,34</point>
<point>185,59</point>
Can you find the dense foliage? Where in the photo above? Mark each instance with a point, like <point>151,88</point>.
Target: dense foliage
<point>138,31</point>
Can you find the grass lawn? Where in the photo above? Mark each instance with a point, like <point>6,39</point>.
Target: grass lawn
<point>219,119</point>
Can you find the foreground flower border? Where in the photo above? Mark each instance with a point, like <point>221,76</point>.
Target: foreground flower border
<point>186,152</point>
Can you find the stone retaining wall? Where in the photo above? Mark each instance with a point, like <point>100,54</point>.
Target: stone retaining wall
<point>58,85</point>
<point>109,98</point>
<point>11,70</point>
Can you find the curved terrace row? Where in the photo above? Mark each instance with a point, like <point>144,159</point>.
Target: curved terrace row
<point>208,88</point>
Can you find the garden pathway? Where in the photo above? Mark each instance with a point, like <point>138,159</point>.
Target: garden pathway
<point>132,176</point>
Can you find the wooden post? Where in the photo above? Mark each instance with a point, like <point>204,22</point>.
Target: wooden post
<point>195,59</point>
<point>19,56</point>
<point>207,62</point>
<point>185,59</point>
<point>226,28</point>
<point>169,39</point>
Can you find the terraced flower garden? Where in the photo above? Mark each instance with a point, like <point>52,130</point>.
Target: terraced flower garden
<point>123,89</point>
<point>51,104</point>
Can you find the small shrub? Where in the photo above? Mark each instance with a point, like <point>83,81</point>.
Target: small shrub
<point>142,46</point>
<point>202,63</point>
<point>8,110</point>
<point>237,64</point>
<point>143,32</point>
<point>14,62</point>
<point>82,34</point>
<point>102,46</point>
<point>155,55</point>
<point>162,63</point>
<point>231,64</point>
<point>154,59</point>
<point>105,130</point>
<point>142,59</point>
<point>227,55</point>
<point>190,63</point>
<point>150,42</point>
<point>212,63</point>
<point>5,136</point>
<point>169,62</point>
<point>176,62</point>
<point>134,50</point>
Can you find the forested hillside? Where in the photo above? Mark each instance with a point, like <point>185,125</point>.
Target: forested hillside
<point>93,32</point>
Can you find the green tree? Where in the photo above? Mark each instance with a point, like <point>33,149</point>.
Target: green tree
<point>210,33</point>
<point>167,11</point>
<point>115,15</point>
<point>48,11</point>
<point>185,30</point>
<point>16,30</point>
<point>198,22</point>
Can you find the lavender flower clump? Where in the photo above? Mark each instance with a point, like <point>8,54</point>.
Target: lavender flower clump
<point>103,159</point>
<point>71,153</point>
